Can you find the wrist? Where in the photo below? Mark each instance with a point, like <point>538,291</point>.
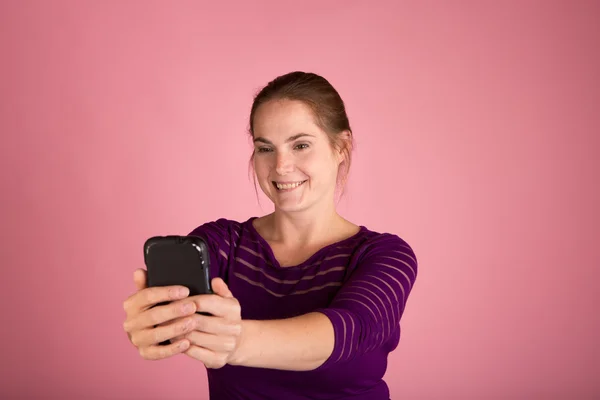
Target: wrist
<point>240,355</point>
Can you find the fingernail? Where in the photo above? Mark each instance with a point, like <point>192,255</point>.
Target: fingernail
<point>184,345</point>
<point>188,308</point>
<point>183,292</point>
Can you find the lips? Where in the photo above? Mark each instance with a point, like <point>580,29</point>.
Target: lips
<point>287,185</point>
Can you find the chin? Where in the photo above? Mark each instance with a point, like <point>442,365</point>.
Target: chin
<point>288,205</point>
<point>290,208</point>
<point>296,205</point>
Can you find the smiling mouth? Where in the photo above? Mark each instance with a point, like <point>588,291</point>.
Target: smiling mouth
<point>287,186</point>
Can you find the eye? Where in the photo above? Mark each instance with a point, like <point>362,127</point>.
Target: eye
<point>301,146</point>
<point>263,150</point>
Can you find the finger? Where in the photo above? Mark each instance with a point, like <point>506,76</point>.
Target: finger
<point>178,337</point>
<point>217,306</point>
<point>220,287</point>
<point>216,325</point>
<point>159,315</point>
<point>218,344</point>
<point>160,352</point>
<point>209,358</point>
<point>139,277</point>
<point>150,297</point>
<point>173,330</point>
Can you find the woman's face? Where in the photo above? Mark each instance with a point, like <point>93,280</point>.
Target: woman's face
<point>294,161</point>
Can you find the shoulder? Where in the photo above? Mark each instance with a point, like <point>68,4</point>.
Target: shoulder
<point>224,230</point>
<point>386,242</point>
<point>387,248</point>
<point>220,234</point>
<point>219,226</point>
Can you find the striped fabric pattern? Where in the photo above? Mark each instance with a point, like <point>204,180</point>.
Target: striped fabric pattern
<point>361,284</point>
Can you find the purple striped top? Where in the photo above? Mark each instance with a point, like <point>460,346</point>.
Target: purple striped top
<point>361,283</point>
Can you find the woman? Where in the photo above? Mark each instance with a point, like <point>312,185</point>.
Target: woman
<point>307,305</point>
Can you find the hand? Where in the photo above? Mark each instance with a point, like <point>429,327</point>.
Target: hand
<point>216,337</point>
<point>147,326</point>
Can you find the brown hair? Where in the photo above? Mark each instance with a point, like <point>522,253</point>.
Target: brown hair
<point>321,97</point>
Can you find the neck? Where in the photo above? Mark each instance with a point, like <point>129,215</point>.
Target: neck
<point>304,228</point>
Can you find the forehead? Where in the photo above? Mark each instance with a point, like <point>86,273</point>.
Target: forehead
<point>284,118</point>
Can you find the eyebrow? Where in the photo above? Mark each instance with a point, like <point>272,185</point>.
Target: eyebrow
<point>290,139</point>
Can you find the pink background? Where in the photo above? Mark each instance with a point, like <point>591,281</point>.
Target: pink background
<point>477,127</point>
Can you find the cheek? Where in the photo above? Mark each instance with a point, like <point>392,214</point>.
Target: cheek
<point>317,165</point>
<point>261,166</point>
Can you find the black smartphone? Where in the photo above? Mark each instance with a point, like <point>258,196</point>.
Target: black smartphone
<point>178,260</point>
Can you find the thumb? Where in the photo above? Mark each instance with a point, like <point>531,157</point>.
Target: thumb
<point>220,287</point>
<point>139,277</point>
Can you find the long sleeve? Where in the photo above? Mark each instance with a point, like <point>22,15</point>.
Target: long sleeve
<point>218,237</point>
<point>367,309</point>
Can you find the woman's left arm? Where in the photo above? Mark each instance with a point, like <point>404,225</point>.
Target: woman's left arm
<point>363,315</point>
<point>297,344</point>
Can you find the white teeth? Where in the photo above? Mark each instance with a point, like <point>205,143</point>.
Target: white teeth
<point>283,186</point>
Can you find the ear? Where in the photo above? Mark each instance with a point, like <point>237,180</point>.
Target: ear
<point>346,140</point>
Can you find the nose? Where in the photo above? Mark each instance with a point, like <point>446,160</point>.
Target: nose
<point>284,164</point>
